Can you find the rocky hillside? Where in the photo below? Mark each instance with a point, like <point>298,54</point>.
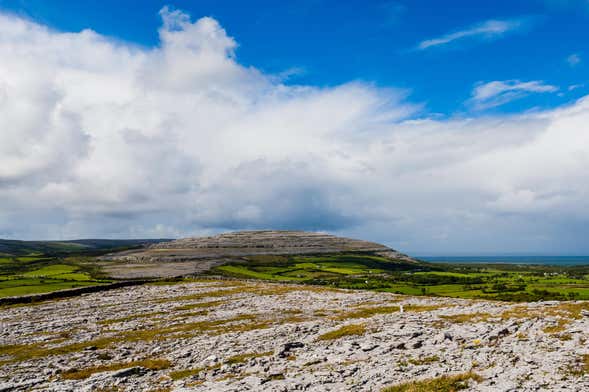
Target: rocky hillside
<point>196,255</point>
<point>277,240</point>
<point>258,242</point>
<point>234,335</point>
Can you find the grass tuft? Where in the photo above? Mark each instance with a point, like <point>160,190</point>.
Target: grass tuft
<point>346,330</point>
<point>80,374</point>
<point>240,323</point>
<point>241,358</point>
<point>467,318</point>
<point>438,384</point>
<point>581,367</point>
<point>128,318</point>
<point>184,373</point>
<point>424,360</point>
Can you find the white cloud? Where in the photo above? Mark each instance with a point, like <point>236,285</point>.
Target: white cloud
<point>574,59</point>
<point>486,30</point>
<point>107,139</point>
<point>496,93</point>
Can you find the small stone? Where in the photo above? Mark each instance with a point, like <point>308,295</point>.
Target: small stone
<point>134,371</point>
<point>287,347</point>
<point>369,347</point>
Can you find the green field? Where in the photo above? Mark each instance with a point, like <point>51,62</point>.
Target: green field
<point>364,271</point>
<point>32,275</point>
<point>32,267</point>
<point>39,267</point>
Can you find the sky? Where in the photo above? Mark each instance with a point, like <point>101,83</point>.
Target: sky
<point>453,127</point>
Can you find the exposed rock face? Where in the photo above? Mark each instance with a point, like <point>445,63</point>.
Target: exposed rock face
<point>250,243</point>
<point>282,241</point>
<point>241,336</point>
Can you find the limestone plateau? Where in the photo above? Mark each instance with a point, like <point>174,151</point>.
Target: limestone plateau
<point>230,335</point>
<point>255,242</point>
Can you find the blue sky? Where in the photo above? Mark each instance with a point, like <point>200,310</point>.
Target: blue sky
<point>323,42</point>
<point>433,127</point>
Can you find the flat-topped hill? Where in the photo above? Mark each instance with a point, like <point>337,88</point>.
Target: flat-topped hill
<point>273,239</point>
<point>189,256</point>
<point>255,242</point>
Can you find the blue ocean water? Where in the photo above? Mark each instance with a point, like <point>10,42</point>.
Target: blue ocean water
<point>543,260</point>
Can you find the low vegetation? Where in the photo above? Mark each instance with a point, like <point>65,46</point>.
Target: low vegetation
<point>131,317</point>
<point>240,358</point>
<point>505,282</point>
<point>33,267</point>
<point>31,275</point>
<point>240,323</point>
<point>36,267</point>
<point>152,364</point>
<point>235,359</point>
<point>346,330</point>
<point>185,373</point>
<point>424,360</point>
<point>439,384</point>
<point>366,312</point>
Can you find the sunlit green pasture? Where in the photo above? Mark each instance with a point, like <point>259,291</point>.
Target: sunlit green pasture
<point>303,268</point>
<point>357,271</point>
<point>16,287</point>
<point>250,273</point>
<point>33,275</point>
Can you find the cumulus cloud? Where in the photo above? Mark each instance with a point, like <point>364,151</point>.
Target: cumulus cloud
<point>496,93</point>
<point>104,139</point>
<point>489,29</point>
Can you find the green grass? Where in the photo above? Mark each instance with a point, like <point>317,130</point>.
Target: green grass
<point>439,384</point>
<point>424,360</point>
<point>241,358</point>
<point>32,271</point>
<point>306,268</point>
<point>180,330</point>
<point>346,330</point>
<point>50,270</point>
<point>243,271</point>
<point>367,312</point>
<point>35,267</point>
<point>36,275</point>
<point>28,259</point>
<point>367,271</point>
<point>20,287</point>
<point>80,374</point>
<point>184,373</point>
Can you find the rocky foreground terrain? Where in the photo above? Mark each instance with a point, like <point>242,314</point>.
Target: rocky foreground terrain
<point>223,335</point>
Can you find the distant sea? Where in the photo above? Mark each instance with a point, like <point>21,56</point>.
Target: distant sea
<point>544,260</point>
